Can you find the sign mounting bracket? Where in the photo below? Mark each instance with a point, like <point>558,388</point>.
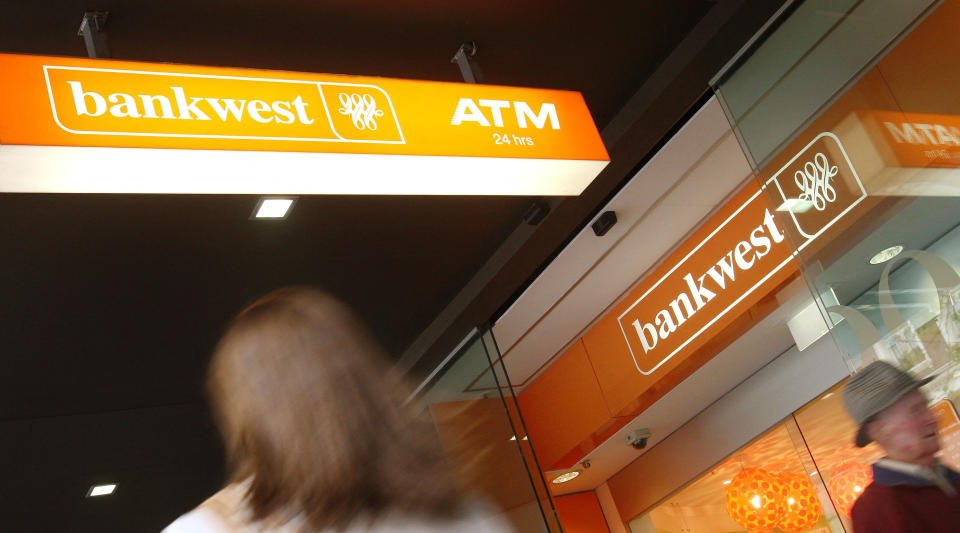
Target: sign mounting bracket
<point>465,58</point>
<point>92,29</point>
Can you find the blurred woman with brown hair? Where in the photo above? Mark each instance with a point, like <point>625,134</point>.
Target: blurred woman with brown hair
<point>317,434</point>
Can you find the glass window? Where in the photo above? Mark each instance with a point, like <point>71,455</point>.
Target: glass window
<point>480,429</point>
<point>815,443</point>
<point>771,483</point>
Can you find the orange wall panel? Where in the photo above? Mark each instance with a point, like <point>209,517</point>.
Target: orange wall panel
<point>581,513</point>
<point>563,407</point>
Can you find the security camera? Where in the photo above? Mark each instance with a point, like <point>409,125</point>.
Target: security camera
<point>638,438</point>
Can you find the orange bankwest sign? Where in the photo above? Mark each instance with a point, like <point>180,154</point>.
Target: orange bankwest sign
<point>738,254</point>
<point>717,284</point>
<point>95,103</point>
<point>705,284</point>
<point>735,259</point>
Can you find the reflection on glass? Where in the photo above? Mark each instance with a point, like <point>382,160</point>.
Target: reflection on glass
<point>478,430</point>
<point>769,484</point>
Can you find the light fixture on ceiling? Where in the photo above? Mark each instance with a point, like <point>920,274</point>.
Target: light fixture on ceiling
<point>102,490</point>
<point>563,478</point>
<point>272,207</point>
<point>727,482</point>
<point>886,254</point>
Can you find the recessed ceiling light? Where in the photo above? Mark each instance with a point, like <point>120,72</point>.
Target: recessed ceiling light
<point>885,255</point>
<point>273,208</point>
<point>727,482</point>
<point>102,490</point>
<point>563,478</point>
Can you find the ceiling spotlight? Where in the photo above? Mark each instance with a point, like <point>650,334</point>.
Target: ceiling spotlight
<point>273,208</point>
<point>102,490</point>
<point>563,478</point>
<point>885,255</point>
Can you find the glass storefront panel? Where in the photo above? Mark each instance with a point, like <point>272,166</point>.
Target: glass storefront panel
<point>791,495</point>
<point>815,443</point>
<point>866,177</point>
<point>480,430</point>
<point>868,189</point>
<point>811,53</point>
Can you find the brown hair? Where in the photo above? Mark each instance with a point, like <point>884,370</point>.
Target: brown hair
<point>312,418</point>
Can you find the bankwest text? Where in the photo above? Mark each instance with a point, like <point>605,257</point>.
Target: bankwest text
<point>731,262</point>
<point>176,104</point>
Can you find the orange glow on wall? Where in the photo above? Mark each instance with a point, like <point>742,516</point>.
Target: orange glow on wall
<point>847,484</point>
<point>581,513</point>
<point>568,391</point>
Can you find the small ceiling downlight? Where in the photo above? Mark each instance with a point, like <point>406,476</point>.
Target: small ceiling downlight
<point>563,478</point>
<point>273,208</point>
<point>102,490</point>
<point>886,254</point>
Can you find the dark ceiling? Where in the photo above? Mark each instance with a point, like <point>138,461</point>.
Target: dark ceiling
<point>111,304</point>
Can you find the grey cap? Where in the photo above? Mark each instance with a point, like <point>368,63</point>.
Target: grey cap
<point>874,388</point>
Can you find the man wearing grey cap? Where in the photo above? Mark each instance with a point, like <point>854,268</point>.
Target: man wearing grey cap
<point>911,490</point>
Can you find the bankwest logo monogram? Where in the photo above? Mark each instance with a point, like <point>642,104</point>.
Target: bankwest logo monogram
<point>823,188</point>
<point>362,110</point>
<point>815,182</point>
<point>162,104</point>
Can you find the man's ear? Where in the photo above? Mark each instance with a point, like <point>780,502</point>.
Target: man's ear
<point>875,428</point>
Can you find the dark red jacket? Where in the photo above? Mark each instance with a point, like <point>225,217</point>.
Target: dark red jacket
<point>899,503</point>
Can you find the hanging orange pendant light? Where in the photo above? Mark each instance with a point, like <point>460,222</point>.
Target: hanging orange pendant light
<point>756,499</point>
<point>803,508</point>
<point>847,484</point>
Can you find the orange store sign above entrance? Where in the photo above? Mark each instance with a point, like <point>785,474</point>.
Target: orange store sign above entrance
<point>738,254</point>
<point>716,285</point>
<point>172,128</point>
<point>743,251</point>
